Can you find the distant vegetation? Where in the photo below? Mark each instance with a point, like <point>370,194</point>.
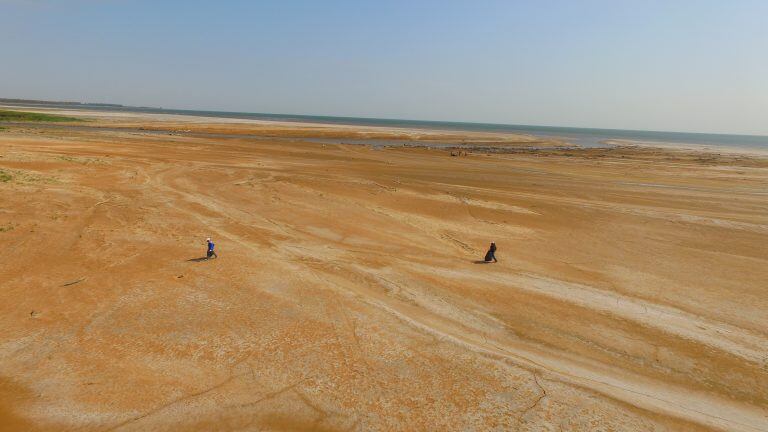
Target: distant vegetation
<point>5,177</point>
<point>19,116</point>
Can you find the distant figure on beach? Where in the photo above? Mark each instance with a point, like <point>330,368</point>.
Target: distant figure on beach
<point>491,254</point>
<point>211,252</point>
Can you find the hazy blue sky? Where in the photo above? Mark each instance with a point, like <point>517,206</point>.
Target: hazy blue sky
<point>694,65</point>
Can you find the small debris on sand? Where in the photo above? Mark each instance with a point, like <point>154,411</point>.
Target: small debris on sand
<point>74,282</point>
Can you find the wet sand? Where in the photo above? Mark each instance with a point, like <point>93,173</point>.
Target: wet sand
<point>630,292</point>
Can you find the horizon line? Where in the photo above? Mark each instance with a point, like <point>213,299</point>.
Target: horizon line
<point>117,106</point>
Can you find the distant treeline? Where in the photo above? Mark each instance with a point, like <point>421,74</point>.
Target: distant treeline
<point>42,102</point>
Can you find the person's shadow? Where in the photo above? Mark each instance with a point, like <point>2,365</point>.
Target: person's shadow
<point>481,262</point>
<point>198,259</point>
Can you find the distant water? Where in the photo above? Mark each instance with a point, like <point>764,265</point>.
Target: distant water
<point>585,137</point>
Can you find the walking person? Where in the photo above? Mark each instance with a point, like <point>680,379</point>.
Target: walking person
<point>211,252</point>
<point>491,254</point>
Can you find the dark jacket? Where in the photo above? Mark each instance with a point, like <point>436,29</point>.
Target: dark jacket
<point>490,256</point>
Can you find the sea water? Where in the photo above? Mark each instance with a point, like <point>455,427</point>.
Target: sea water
<point>584,137</point>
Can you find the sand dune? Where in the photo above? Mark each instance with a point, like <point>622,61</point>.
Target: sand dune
<point>630,292</point>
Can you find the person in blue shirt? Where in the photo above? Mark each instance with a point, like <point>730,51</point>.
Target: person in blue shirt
<point>211,252</point>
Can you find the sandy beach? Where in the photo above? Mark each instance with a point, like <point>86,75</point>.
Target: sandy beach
<point>349,292</point>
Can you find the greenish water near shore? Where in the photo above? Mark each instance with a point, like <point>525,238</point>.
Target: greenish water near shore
<point>22,116</point>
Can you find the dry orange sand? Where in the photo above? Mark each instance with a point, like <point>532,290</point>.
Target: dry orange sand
<point>630,294</point>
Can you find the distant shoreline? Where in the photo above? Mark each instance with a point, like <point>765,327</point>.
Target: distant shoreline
<point>578,137</point>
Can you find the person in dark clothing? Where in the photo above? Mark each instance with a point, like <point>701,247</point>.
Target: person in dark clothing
<point>491,254</point>
<point>211,252</point>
